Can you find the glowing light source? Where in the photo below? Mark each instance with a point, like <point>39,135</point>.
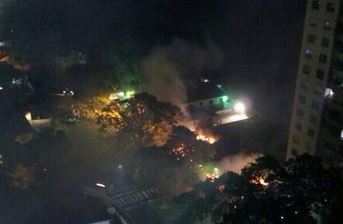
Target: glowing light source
<point>28,116</point>
<point>225,98</point>
<point>130,93</point>
<point>100,185</point>
<point>239,107</point>
<point>329,93</point>
<point>113,96</point>
<point>179,150</point>
<point>205,80</point>
<point>206,138</point>
<point>263,182</point>
<point>121,94</point>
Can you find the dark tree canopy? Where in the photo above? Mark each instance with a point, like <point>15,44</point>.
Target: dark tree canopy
<point>300,190</point>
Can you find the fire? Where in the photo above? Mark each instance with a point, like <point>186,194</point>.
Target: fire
<point>208,172</point>
<point>259,181</point>
<point>179,150</point>
<point>205,136</point>
<point>263,182</point>
<point>212,176</point>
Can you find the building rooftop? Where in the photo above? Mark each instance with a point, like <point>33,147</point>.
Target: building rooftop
<point>203,91</point>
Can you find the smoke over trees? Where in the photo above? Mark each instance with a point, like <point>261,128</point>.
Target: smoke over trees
<point>171,65</point>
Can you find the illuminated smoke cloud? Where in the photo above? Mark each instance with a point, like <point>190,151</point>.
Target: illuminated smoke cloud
<point>167,67</point>
<point>236,163</point>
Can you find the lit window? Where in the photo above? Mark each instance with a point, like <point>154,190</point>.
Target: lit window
<point>330,7</point>
<point>301,99</point>
<point>311,132</point>
<point>320,74</point>
<point>323,58</point>
<point>306,69</point>
<point>308,53</point>
<point>315,4</point>
<point>325,42</point>
<point>311,38</point>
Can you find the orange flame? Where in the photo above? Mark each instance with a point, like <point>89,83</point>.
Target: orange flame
<point>205,136</point>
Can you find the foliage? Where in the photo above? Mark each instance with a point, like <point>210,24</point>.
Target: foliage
<point>155,168</point>
<point>300,190</point>
<point>135,122</point>
<point>185,147</point>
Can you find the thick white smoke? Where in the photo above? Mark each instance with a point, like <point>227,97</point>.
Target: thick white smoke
<point>236,163</point>
<point>167,67</point>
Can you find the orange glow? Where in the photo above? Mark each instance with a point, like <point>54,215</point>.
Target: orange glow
<point>259,181</point>
<point>179,150</point>
<point>205,136</point>
<point>212,176</point>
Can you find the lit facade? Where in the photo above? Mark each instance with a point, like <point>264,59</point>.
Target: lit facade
<point>315,75</point>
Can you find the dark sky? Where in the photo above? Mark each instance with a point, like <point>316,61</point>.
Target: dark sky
<point>259,39</point>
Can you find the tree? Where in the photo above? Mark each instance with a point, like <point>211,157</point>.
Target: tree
<point>185,147</point>
<point>133,123</point>
<point>300,190</point>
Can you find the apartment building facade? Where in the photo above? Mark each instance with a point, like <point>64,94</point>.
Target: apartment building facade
<point>314,83</point>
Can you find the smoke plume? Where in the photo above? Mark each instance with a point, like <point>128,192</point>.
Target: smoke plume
<point>236,163</point>
<point>167,68</point>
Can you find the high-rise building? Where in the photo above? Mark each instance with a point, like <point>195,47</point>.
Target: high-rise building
<point>318,100</point>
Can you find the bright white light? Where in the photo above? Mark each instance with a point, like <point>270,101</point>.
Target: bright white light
<point>28,116</point>
<point>113,96</point>
<point>100,185</point>
<point>205,80</point>
<point>329,93</point>
<point>1,88</point>
<point>342,135</point>
<point>234,118</point>
<point>120,166</point>
<point>239,107</point>
<point>263,182</point>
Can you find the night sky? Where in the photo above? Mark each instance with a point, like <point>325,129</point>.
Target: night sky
<point>258,40</point>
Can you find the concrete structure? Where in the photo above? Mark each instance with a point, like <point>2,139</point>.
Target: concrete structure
<point>318,77</point>
<point>209,105</point>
